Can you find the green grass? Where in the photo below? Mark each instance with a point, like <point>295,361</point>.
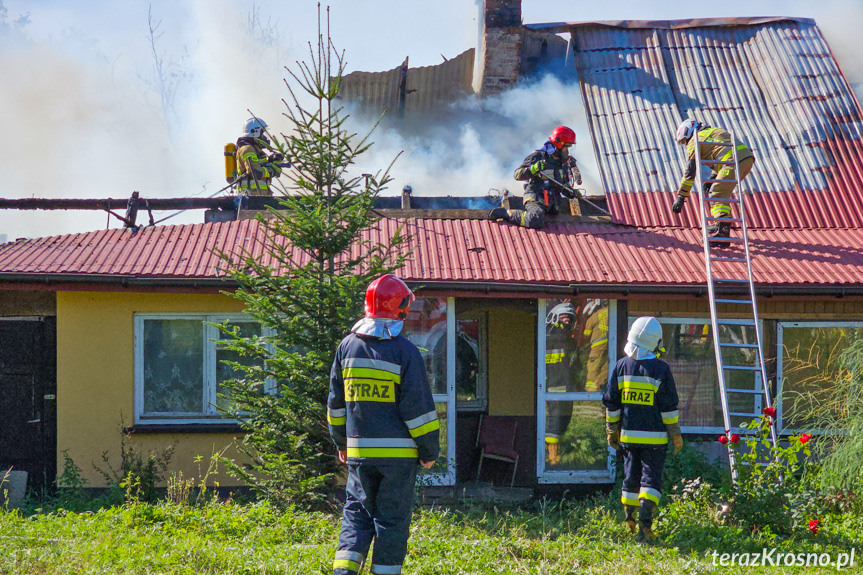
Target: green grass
<point>231,538</point>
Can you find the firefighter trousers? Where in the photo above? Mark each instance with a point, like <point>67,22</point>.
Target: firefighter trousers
<point>642,473</point>
<point>378,505</point>
<point>724,190</point>
<point>557,420</point>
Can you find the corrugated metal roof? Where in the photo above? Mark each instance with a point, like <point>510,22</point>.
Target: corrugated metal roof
<point>773,82</point>
<point>461,251</point>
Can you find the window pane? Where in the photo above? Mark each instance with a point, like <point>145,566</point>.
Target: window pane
<point>440,464</point>
<point>575,436</point>
<point>810,365</point>
<point>225,372</point>
<point>576,343</point>
<point>689,353</point>
<point>426,328</point>
<point>173,366</point>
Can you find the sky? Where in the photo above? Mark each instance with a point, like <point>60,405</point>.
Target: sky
<point>83,114</point>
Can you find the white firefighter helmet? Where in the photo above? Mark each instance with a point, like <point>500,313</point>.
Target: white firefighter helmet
<point>254,128</point>
<point>591,306</point>
<point>685,131</point>
<point>565,308</point>
<point>646,333</point>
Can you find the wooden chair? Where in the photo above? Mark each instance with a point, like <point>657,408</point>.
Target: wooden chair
<point>496,439</point>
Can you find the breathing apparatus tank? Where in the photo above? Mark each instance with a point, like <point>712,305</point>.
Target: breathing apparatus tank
<point>230,162</point>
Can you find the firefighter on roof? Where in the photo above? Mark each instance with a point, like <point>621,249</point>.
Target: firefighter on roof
<point>641,414</point>
<point>541,195</point>
<point>560,352</point>
<point>256,169</point>
<point>383,421</point>
<point>708,137</point>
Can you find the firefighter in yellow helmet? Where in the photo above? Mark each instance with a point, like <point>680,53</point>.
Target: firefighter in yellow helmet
<point>596,333</point>
<point>255,167</point>
<point>709,143</point>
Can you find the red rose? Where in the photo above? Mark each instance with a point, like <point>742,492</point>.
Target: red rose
<point>771,411</point>
<point>723,439</point>
<point>735,438</point>
<point>813,526</point>
<point>804,437</point>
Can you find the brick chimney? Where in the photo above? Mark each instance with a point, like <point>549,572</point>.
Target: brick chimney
<point>498,56</point>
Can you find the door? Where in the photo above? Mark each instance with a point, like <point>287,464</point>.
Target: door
<point>431,326</point>
<point>574,350</point>
<point>28,425</point>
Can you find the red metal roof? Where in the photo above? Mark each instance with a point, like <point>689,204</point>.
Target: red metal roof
<point>774,82</point>
<point>459,251</point>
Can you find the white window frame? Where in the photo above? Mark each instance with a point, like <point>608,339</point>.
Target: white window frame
<point>780,359</point>
<point>703,429</point>
<point>480,404</point>
<point>545,476</point>
<point>212,336</point>
<point>447,478</point>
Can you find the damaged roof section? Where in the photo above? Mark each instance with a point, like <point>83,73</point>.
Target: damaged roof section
<point>772,81</point>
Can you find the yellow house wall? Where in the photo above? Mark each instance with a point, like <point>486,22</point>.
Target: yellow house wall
<point>512,363</point>
<point>96,382</point>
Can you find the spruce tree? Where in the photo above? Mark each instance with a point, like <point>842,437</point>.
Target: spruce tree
<point>311,292</point>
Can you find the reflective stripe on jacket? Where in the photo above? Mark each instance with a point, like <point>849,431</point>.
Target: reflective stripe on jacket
<point>709,149</point>
<point>641,399</point>
<point>380,405</point>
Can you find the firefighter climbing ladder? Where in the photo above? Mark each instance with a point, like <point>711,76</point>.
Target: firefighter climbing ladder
<point>724,267</point>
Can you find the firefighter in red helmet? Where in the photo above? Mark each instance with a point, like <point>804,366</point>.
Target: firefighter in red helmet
<point>383,421</point>
<point>541,195</point>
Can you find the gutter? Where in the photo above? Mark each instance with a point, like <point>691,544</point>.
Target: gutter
<point>462,286</point>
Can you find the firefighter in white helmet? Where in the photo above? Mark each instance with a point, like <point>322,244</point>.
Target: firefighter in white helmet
<point>641,415</point>
<point>709,140</point>
<point>257,161</point>
<point>560,355</point>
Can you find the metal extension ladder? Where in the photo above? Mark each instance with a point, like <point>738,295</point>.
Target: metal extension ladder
<point>724,287</point>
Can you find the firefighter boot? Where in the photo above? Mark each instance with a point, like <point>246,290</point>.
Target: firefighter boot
<point>553,453</point>
<point>498,214</point>
<point>645,521</point>
<point>629,521</point>
<point>719,230</point>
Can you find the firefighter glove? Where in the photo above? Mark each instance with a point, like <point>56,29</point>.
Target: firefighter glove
<point>613,438</point>
<point>677,442</point>
<point>677,206</point>
<point>537,167</point>
<point>276,158</point>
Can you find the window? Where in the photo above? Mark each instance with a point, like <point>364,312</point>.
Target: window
<point>689,352</point>
<point>809,365</point>
<point>179,369</point>
<point>426,328</point>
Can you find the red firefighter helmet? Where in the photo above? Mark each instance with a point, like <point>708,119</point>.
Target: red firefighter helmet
<point>562,135</point>
<point>388,297</point>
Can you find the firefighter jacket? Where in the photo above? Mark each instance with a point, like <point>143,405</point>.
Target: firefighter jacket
<point>537,187</point>
<point>641,402</point>
<point>560,350</point>
<point>596,332</point>
<point>380,406</point>
<point>253,168</point>
<point>708,138</point>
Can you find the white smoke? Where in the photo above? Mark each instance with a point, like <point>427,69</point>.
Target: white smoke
<point>81,118</point>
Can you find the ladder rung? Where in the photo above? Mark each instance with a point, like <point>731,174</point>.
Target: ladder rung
<point>735,322</point>
<point>723,200</point>
<point>743,414</point>
<point>746,301</point>
<point>731,280</point>
<point>742,367</point>
<point>741,260</point>
<point>719,181</point>
<point>723,239</point>
<point>750,391</point>
<point>739,345</point>
<point>718,162</point>
<point>724,220</point>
